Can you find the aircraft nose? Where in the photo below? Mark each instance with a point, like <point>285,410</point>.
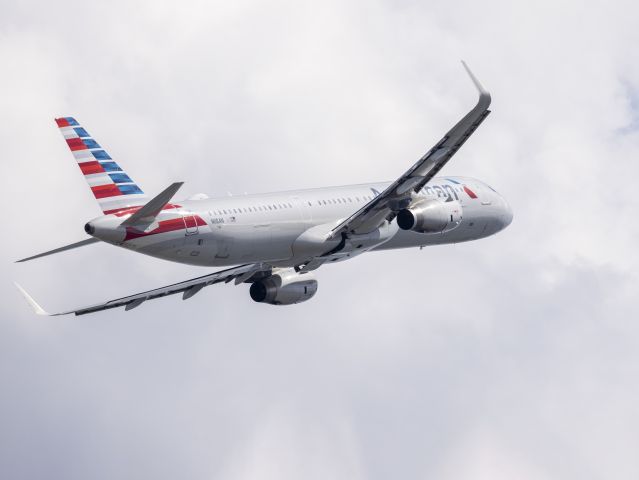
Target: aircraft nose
<point>507,214</point>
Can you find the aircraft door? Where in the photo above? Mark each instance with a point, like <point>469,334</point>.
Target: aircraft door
<point>483,212</point>
<point>190,223</point>
<point>261,238</point>
<point>303,208</point>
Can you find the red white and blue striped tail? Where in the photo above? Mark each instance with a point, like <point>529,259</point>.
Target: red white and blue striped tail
<point>112,187</point>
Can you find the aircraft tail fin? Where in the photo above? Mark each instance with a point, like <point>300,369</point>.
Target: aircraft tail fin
<point>111,186</point>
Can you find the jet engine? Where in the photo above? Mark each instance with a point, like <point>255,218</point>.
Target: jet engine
<point>285,287</point>
<point>430,216</point>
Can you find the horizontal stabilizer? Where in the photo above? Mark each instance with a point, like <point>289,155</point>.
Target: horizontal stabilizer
<point>82,243</point>
<point>146,215</point>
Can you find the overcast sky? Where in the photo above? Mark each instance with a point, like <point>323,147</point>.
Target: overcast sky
<point>512,357</point>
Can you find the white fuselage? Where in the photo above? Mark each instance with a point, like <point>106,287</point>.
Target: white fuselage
<point>274,227</point>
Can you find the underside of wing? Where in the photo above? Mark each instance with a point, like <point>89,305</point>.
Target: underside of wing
<point>188,288</point>
<point>398,195</point>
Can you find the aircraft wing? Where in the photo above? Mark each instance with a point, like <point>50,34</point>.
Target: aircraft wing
<point>398,194</point>
<point>188,287</point>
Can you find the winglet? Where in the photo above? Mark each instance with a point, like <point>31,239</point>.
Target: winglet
<point>34,305</point>
<point>484,96</point>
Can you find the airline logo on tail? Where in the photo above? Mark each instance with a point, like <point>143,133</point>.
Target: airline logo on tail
<point>111,186</point>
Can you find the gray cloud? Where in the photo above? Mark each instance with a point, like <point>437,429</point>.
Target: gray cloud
<point>510,357</point>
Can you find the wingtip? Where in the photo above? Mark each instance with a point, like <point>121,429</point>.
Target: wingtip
<point>31,301</point>
<point>472,76</point>
<point>483,93</point>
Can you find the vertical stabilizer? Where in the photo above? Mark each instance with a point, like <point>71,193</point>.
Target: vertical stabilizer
<point>111,186</point>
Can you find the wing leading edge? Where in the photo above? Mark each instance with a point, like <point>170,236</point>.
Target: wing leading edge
<point>398,194</point>
<point>188,287</point>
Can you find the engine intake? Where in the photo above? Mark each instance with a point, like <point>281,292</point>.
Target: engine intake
<point>430,216</point>
<point>285,287</point>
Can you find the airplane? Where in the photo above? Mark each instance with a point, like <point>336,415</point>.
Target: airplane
<point>275,241</point>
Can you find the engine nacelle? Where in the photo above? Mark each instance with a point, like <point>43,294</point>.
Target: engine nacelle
<point>430,216</point>
<point>285,287</point>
